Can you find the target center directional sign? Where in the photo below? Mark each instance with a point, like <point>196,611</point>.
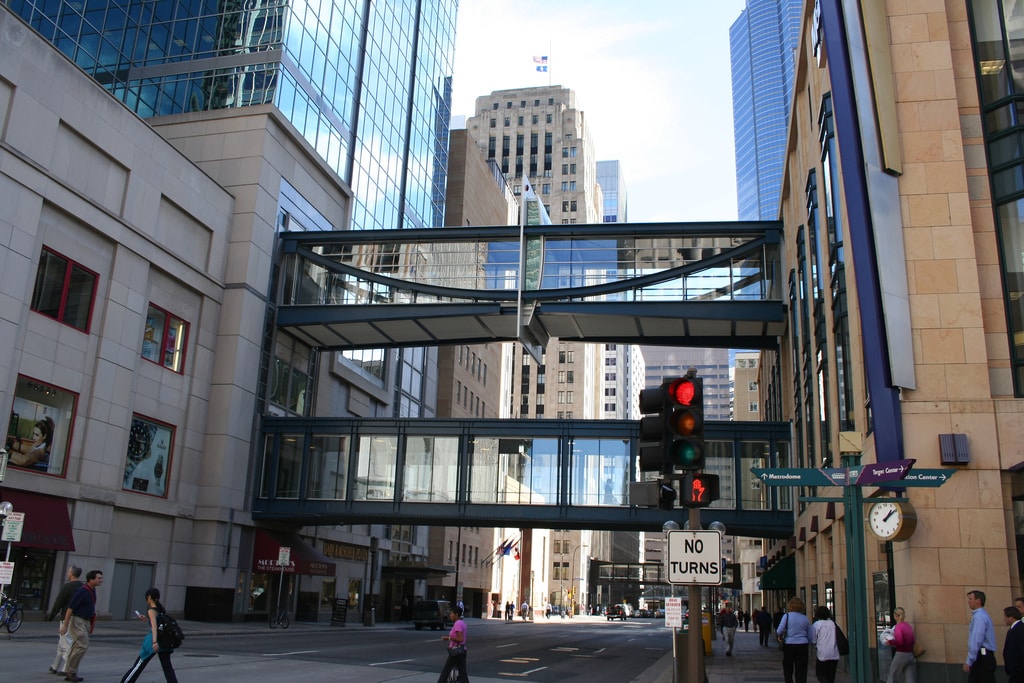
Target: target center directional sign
<point>694,558</point>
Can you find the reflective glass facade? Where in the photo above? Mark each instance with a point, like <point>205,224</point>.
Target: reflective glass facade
<point>762,43</point>
<point>366,84</point>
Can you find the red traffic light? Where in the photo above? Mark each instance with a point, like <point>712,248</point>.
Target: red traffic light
<point>682,391</point>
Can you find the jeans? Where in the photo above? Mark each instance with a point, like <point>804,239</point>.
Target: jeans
<point>794,663</point>
<point>452,662</point>
<point>729,635</point>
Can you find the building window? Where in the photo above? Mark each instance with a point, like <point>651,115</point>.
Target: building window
<point>519,120</point>
<point>148,459</point>
<point>751,386</point>
<point>548,118</point>
<point>494,123</point>
<point>163,341</point>
<point>64,290</point>
<point>546,188</point>
<point>752,407</point>
<point>39,432</point>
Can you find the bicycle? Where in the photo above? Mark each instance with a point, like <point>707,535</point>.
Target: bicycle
<point>280,619</point>
<point>11,614</point>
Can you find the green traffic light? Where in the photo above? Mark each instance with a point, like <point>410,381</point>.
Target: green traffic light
<point>685,454</point>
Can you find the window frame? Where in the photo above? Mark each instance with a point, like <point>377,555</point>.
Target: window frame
<point>65,287</point>
<point>174,343</point>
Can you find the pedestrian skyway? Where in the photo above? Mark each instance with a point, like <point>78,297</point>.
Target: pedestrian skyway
<point>675,284</point>
<point>568,474</point>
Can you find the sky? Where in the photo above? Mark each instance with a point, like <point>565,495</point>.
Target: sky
<point>636,66</point>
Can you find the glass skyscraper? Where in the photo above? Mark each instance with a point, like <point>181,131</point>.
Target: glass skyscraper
<point>367,84</point>
<point>762,43</point>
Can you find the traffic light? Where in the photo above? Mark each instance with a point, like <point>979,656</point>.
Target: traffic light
<point>684,425</point>
<point>672,429</point>
<point>653,405</point>
<point>666,496</point>
<point>699,489</point>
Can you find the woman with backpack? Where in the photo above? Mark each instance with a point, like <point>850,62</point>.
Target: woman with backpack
<point>150,644</point>
<point>823,635</point>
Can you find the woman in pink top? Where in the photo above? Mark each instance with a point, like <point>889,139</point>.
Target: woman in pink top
<point>456,649</point>
<point>903,643</point>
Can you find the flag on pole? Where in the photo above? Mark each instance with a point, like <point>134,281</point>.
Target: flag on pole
<point>542,63</point>
<point>516,555</point>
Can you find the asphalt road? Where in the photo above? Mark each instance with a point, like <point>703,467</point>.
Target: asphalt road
<point>548,651</point>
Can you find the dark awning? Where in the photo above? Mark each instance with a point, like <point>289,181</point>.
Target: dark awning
<point>414,571</point>
<point>47,524</point>
<point>781,576</point>
<point>304,558</point>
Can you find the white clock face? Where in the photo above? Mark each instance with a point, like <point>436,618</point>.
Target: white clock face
<point>885,519</point>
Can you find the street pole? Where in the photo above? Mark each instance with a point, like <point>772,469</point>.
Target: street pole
<point>856,577</point>
<point>695,641</point>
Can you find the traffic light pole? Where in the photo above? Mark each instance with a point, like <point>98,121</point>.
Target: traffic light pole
<point>856,577</point>
<point>695,640</point>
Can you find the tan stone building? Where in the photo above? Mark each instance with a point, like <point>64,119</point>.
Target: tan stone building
<point>904,261</point>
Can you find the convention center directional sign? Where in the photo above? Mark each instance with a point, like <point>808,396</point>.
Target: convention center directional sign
<point>892,474</point>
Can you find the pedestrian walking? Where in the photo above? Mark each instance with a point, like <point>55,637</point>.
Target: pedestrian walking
<point>826,651</point>
<point>764,626</point>
<point>524,610</point>
<point>60,605</point>
<point>151,643</point>
<point>903,665</point>
<point>981,642</point>
<point>729,622</point>
<point>79,617</point>
<point>456,649</point>
<point>510,610</point>
<point>746,622</point>
<point>794,632</point>
<point>1013,647</point>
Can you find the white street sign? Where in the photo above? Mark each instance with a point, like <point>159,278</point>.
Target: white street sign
<point>694,558</point>
<point>284,555</point>
<point>674,612</point>
<point>6,573</point>
<point>12,527</point>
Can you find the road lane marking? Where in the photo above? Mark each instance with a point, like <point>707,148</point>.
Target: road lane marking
<point>288,654</point>
<point>522,674</point>
<point>508,645</point>
<point>394,661</point>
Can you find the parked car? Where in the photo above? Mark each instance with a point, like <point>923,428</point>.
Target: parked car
<point>659,613</point>
<point>643,613</point>
<point>616,612</point>
<point>433,613</point>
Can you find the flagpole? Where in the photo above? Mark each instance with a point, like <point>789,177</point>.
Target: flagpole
<point>549,62</point>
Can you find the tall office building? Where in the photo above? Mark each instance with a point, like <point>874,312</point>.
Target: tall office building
<point>164,357</point>
<point>540,134</point>
<point>762,44</point>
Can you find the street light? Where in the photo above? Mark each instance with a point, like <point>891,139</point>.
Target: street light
<point>572,578</point>
<point>4,458</point>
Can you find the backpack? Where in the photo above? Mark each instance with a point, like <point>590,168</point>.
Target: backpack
<point>168,633</point>
<point>842,642</point>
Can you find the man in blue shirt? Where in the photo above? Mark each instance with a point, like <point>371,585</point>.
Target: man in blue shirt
<point>78,620</point>
<point>981,642</point>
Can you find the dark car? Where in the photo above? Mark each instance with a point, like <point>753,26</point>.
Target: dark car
<point>433,613</point>
<point>616,612</point>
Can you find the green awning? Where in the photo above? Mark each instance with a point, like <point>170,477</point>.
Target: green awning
<point>782,576</point>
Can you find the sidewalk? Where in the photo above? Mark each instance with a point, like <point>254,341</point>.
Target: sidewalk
<point>749,662</point>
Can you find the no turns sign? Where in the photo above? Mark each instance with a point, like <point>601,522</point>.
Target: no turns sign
<point>694,558</point>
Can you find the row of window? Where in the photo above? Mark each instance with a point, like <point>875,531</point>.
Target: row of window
<point>470,554</point>
<point>476,365</point>
<point>469,400</point>
<point>66,291</point>
<point>39,438</point>
<point>534,119</point>
<point>522,103</point>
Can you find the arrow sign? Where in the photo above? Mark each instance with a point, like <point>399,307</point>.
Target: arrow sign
<point>791,476</point>
<point>930,478</point>
<point>885,471</point>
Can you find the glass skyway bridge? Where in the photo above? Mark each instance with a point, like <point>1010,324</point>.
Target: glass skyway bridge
<point>677,284</point>
<point>562,474</point>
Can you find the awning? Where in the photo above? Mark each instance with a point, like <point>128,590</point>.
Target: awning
<point>47,524</point>
<point>414,571</point>
<point>304,558</point>
<point>781,576</point>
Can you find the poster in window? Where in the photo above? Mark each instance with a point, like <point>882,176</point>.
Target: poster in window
<point>38,433</point>
<point>148,458</point>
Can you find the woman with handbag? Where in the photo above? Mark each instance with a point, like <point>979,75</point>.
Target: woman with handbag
<point>903,643</point>
<point>456,649</point>
<point>824,637</point>
<point>794,633</point>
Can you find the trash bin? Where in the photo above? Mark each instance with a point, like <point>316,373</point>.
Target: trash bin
<point>371,617</point>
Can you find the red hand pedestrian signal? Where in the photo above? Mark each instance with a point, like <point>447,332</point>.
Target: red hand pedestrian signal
<point>699,489</point>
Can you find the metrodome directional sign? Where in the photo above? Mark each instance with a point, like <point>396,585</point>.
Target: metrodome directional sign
<point>694,558</point>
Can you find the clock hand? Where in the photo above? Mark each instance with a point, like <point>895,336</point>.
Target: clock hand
<point>891,513</point>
